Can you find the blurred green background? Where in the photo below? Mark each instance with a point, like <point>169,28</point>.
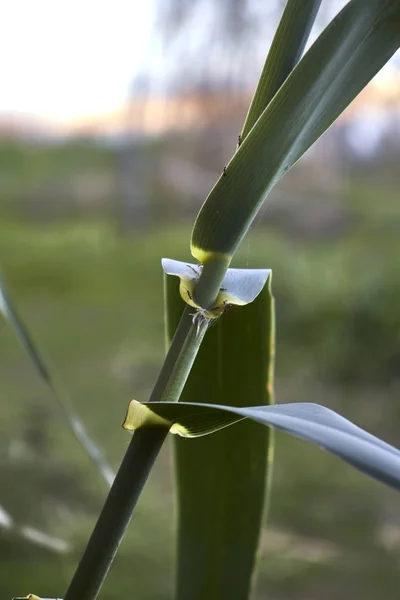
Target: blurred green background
<point>84,221</point>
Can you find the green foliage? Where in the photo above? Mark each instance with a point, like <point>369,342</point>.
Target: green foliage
<point>351,50</point>
<point>285,52</point>
<point>308,421</point>
<point>105,337</point>
<point>218,475</point>
<point>345,57</point>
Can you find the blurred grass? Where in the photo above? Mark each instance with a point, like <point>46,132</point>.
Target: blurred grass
<point>92,300</point>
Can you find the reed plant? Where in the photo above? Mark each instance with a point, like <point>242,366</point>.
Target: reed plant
<point>217,377</point>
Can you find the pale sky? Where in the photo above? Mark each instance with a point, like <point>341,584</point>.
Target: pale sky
<point>63,60</point>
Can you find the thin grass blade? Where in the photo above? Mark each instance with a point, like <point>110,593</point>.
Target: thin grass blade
<point>77,427</point>
<point>285,52</point>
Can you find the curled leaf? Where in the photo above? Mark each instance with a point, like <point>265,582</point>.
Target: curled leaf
<point>311,422</point>
<point>239,286</point>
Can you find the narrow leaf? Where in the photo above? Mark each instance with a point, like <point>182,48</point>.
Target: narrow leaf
<point>77,427</point>
<point>285,52</point>
<point>351,50</point>
<point>311,422</point>
<point>217,475</point>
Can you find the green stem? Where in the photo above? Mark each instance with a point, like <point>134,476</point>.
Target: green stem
<point>210,280</point>
<point>180,358</point>
<point>116,514</point>
<point>136,465</point>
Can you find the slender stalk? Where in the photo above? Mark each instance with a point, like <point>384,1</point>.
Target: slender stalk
<point>180,358</point>
<point>136,465</point>
<point>211,277</point>
<point>116,514</point>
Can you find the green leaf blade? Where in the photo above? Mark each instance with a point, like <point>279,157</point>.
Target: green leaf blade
<point>285,52</point>
<point>312,422</point>
<point>346,56</point>
<point>216,475</point>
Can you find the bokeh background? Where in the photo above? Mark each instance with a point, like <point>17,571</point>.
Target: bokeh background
<point>116,120</point>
